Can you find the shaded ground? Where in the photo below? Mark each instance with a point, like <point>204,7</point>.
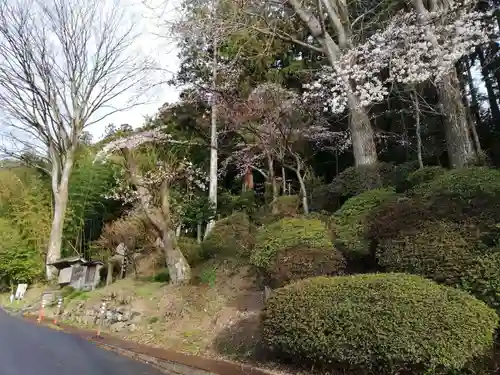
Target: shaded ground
<point>26,348</point>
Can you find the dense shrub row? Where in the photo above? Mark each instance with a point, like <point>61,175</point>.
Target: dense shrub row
<point>447,231</point>
<point>293,248</point>
<point>350,221</point>
<point>231,236</point>
<point>406,224</point>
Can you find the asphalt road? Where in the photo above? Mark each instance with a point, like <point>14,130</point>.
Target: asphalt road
<point>28,349</point>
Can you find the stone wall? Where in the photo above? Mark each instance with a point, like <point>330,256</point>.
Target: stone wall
<point>116,318</point>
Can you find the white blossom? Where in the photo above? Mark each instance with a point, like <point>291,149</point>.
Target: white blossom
<point>404,52</point>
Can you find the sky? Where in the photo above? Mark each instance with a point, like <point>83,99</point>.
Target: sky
<point>150,16</point>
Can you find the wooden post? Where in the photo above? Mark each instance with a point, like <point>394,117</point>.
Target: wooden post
<point>59,308</point>
<point>101,318</point>
<point>41,312</point>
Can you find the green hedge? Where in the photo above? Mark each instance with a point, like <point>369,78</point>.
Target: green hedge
<point>441,251</point>
<point>482,279</point>
<point>379,322</point>
<point>285,234</point>
<point>191,249</point>
<point>465,183</point>
<point>448,253</point>
<point>303,262</point>
<point>351,220</point>
<point>464,195</point>
<point>424,175</point>
<point>231,236</point>
<point>288,205</point>
<point>356,180</point>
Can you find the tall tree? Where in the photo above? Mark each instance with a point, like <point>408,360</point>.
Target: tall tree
<point>63,66</point>
<point>330,28</point>
<point>152,176</point>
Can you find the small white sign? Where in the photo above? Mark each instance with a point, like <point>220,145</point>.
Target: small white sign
<point>20,291</point>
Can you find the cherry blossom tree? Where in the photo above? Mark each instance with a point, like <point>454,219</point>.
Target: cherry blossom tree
<point>328,28</point>
<point>415,46</point>
<point>275,128</point>
<point>151,177</point>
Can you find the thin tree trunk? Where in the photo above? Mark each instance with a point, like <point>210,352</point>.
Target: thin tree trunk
<point>305,201</point>
<point>418,130</point>
<point>109,275</point>
<point>303,190</point>
<point>473,91</point>
<point>488,83</point>
<point>274,186</point>
<point>60,193</point>
<point>475,108</point>
<point>212,189</point>
<point>283,182</point>
<point>198,233</point>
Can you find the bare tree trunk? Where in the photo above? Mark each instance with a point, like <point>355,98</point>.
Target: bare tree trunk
<point>60,193</point>
<point>474,106</point>
<point>458,140</point>
<point>363,137</point>
<point>474,103</point>
<point>303,190</point>
<point>198,233</point>
<point>488,83</point>
<point>274,186</point>
<point>283,181</point>
<point>178,267</point>
<point>109,275</point>
<point>418,130</point>
<point>212,189</point>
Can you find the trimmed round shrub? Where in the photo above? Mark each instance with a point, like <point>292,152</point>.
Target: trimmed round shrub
<point>303,262</point>
<point>409,236</point>
<point>284,206</point>
<point>246,202</point>
<point>356,180</point>
<point>285,234</point>
<point>483,279</point>
<point>231,236</point>
<point>464,194</point>
<point>401,173</point>
<point>191,249</point>
<point>423,175</point>
<point>463,183</point>
<point>392,217</point>
<point>439,250</point>
<point>379,322</point>
<point>351,220</point>
<point>322,199</point>
<point>288,205</point>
